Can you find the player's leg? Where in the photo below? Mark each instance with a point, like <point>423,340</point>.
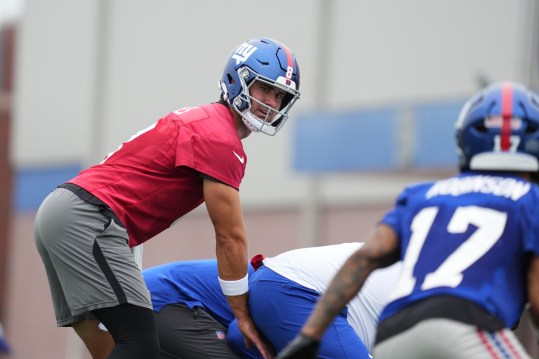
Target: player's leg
<point>444,338</point>
<point>407,345</point>
<point>133,329</point>
<point>99,342</point>
<point>88,262</point>
<point>280,307</point>
<point>191,334</point>
<point>471,342</point>
<point>131,320</point>
<point>341,341</point>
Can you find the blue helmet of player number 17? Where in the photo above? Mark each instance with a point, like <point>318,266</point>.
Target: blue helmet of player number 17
<point>498,129</point>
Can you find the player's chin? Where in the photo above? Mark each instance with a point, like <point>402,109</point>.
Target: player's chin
<point>262,116</point>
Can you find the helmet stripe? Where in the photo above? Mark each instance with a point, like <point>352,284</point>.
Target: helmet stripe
<point>507,114</point>
<point>290,64</point>
<point>289,57</point>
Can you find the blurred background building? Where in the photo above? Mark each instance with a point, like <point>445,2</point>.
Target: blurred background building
<point>381,85</point>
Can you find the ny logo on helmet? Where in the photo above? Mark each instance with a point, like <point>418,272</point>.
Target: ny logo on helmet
<point>243,52</point>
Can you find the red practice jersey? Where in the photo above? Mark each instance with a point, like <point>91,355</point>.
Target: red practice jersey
<point>154,178</point>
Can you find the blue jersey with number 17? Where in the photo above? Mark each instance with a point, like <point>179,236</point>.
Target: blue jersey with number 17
<point>466,236</point>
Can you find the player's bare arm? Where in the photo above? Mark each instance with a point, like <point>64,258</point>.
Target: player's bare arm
<point>380,250</point>
<point>223,204</point>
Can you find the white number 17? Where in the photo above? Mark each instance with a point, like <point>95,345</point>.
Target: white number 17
<point>490,226</point>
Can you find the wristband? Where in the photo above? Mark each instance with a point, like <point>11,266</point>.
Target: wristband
<point>235,287</point>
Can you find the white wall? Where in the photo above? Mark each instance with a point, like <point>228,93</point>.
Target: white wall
<point>90,73</point>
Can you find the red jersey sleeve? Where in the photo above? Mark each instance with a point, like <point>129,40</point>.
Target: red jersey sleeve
<point>216,152</point>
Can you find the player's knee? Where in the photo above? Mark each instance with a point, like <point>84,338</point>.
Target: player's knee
<point>133,329</point>
<point>148,346</point>
<point>144,345</point>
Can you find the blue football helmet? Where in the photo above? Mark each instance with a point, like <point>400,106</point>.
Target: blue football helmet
<point>498,130</point>
<point>268,61</point>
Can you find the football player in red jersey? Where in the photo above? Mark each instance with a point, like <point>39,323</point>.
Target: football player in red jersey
<point>85,228</point>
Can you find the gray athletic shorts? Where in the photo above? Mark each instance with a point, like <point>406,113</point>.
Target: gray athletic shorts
<point>87,259</point>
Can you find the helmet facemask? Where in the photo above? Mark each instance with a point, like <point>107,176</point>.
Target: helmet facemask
<point>261,62</point>
<point>274,118</point>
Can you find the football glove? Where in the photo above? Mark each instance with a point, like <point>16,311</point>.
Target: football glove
<point>302,347</point>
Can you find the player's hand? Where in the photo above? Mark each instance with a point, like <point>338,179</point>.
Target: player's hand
<point>302,347</point>
<point>252,338</point>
